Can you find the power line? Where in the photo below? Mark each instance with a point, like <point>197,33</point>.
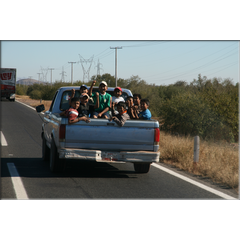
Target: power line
<point>206,64</point>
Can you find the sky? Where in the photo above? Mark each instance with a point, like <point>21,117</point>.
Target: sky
<point>156,62</point>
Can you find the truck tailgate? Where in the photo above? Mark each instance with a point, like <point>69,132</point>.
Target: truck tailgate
<point>105,135</point>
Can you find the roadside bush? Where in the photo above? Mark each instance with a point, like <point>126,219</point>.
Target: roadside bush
<point>205,107</point>
<point>35,94</point>
<point>188,114</point>
<point>21,89</point>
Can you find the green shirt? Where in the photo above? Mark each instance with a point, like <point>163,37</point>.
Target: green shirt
<point>104,101</point>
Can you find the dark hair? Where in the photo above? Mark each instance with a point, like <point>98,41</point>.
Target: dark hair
<point>83,87</point>
<point>145,100</point>
<point>137,95</point>
<point>75,99</point>
<point>129,97</point>
<point>122,104</point>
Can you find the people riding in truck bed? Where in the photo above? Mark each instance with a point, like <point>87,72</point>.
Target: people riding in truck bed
<point>122,115</point>
<point>85,107</point>
<point>145,114</point>
<point>72,112</point>
<point>136,102</point>
<point>130,107</point>
<point>116,99</point>
<point>105,101</point>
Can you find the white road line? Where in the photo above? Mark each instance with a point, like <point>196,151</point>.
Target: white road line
<point>26,105</point>
<point>3,140</point>
<point>218,193</point>
<point>17,182</point>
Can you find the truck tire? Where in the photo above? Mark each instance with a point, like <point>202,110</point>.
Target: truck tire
<point>56,164</point>
<point>45,150</point>
<point>141,167</point>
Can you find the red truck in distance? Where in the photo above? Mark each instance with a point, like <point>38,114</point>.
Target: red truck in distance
<point>8,83</point>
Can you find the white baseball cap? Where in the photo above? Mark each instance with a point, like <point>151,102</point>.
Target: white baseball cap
<point>84,95</point>
<point>103,82</point>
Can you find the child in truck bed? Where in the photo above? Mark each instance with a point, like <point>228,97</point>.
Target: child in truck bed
<point>72,112</point>
<point>130,107</point>
<point>85,109</point>
<point>145,114</point>
<point>122,115</point>
<point>105,101</point>
<point>116,99</point>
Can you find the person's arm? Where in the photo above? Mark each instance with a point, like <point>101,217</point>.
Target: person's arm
<point>87,120</point>
<point>104,111</point>
<point>97,100</point>
<point>72,96</point>
<point>91,88</point>
<point>63,114</point>
<point>146,115</point>
<point>135,114</point>
<point>121,121</point>
<point>110,102</point>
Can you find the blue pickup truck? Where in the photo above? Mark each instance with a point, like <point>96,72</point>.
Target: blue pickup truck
<point>99,140</point>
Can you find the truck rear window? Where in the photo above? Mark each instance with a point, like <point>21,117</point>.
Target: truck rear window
<point>67,94</point>
<point>66,97</point>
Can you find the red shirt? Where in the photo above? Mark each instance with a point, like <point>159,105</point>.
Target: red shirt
<point>71,113</point>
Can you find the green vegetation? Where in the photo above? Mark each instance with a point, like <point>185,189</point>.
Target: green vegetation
<point>205,107</point>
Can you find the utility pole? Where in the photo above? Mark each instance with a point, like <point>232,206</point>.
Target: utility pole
<point>72,71</point>
<point>51,73</point>
<point>38,76</point>
<point>115,63</point>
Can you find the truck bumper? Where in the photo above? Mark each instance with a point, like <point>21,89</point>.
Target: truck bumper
<point>113,157</point>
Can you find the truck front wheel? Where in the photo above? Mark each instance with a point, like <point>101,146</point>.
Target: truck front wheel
<point>56,164</point>
<point>141,167</point>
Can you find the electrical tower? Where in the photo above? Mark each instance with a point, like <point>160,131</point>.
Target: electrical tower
<point>63,74</point>
<point>44,73</point>
<point>86,73</point>
<point>98,68</point>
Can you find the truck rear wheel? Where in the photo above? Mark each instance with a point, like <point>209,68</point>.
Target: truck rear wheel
<point>45,150</point>
<point>141,167</point>
<point>56,164</point>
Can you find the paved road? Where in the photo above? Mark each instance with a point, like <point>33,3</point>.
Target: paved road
<point>21,130</point>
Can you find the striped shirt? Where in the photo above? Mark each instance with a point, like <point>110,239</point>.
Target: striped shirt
<point>71,113</point>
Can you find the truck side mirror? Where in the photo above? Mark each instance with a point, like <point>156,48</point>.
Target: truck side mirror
<point>40,108</point>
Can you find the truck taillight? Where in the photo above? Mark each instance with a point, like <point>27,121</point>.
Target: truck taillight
<point>156,135</point>
<point>62,131</point>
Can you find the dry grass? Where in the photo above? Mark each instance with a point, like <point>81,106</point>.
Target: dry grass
<point>218,161</point>
<point>32,102</point>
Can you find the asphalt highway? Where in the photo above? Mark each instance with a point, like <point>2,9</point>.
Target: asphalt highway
<point>21,148</point>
